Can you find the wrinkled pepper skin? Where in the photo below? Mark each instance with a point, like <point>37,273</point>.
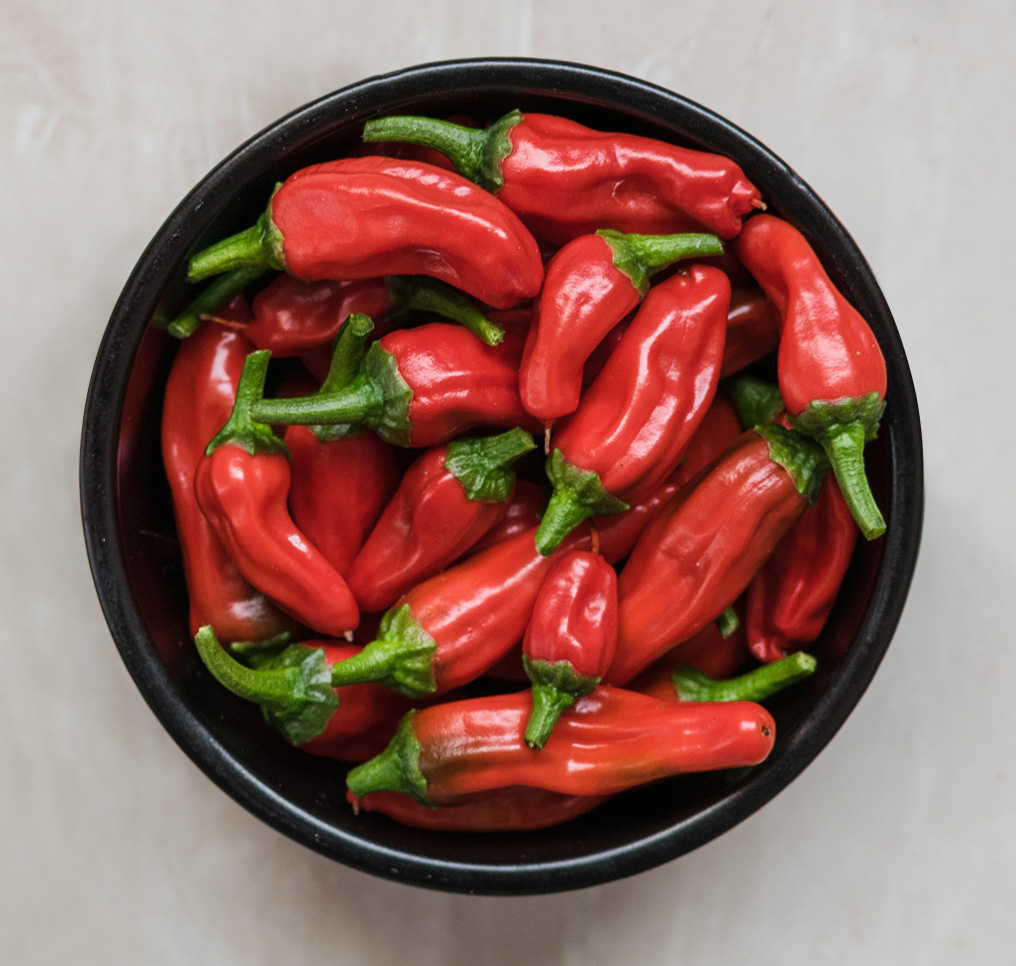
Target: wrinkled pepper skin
<point>607,742</point>
<point>571,637</point>
<point>634,423</point>
<point>503,810</point>
<point>704,546</point>
<point>368,217</point>
<point>753,330</point>
<point>564,179</point>
<point>199,397</point>
<point>789,600</point>
<point>832,373</point>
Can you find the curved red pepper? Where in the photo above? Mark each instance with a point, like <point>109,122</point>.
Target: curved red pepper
<point>450,629</point>
<point>420,387</point>
<point>564,179</point>
<point>242,485</point>
<point>591,284</point>
<point>448,498</point>
<point>702,549</point>
<point>607,742</point>
<point>753,330</point>
<point>570,639</point>
<point>635,421</point>
<point>369,217</point>
<point>199,396</point>
<point>831,370</point>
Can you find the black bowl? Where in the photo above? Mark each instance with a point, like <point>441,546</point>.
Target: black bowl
<point>135,557</point>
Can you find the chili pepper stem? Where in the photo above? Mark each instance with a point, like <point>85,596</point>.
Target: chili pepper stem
<point>757,401</point>
<point>396,769</point>
<point>274,687</point>
<point>260,245</point>
<point>211,297</point>
<point>757,685</point>
<point>482,466</point>
<point>640,256</point>
<point>548,705</point>
<point>240,429</point>
<point>728,622</point>
<point>422,294</point>
<point>845,449</point>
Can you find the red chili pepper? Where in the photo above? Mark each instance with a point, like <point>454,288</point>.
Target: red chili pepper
<point>523,513</point>
<point>293,317</point>
<point>503,810</point>
<point>294,691</point>
<point>419,387</point>
<point>448,498</point>
<point>635,421</point>
<point>564,179</point>
<point>450,629</point>
<point>242,484</point>
<point>831,370</point>
<point>571,637</point>
<point>607,742</point>
<point>699,554</point>
<point>199,395</point>
<point>342,477</point>
<point>591,284</point>
<point>370,217</point>
<point>753,330</point>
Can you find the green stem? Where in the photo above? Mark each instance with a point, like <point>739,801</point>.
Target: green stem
<point>396,769</point>
<point>845,449</point>
<point>483,466</point>
<point>240,429</point>
<point>800,456</point>
<point>418,293</point>
<point>757,685</point>
<point>548,705</point>
<point>277,687</point>
<point>347,355</point>
<point>757,401</point>
<point>640,256</point>
<point>214,295</point>
<point>260,245</point>
<point>728,622</point>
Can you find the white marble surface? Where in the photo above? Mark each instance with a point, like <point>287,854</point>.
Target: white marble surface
<point>896,846</point>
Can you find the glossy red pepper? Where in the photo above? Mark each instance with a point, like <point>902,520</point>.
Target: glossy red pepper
<point>294,691</point>
<point>702,549</point>
<point>564,179</point>
<point>371,217</point>
<point>591,284</point>
<point>502,810</point>
<point>420,387</point>
<point>242,485</point>
<point>607,742</point>
<point>523,513</point>
<point>753,330</point>
<point>199,396</point>
<point>450,629</point>
<point>293,317</point>
<point>571,637</point>
<point>831,370</point>
<point>447,499</point>
<point>635,421</point>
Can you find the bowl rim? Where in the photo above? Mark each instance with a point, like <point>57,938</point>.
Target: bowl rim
<point>98,480</point>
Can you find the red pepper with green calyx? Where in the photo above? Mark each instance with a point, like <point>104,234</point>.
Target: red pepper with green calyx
<point>704,547</point>
<point>292,317</point>
<point>342,476</point>
<point>447,499</point>
<point>419,387</point>
<point>591,284</point>
<point>564,179</point>
<point>371,217</point>
<point>242,485</point>
<point>571,638</point>
<point>607,742</point>
<point>832,373</point>
<point>635,421</point>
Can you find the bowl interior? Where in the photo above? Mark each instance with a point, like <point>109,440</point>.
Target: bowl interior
<point>135,553</point>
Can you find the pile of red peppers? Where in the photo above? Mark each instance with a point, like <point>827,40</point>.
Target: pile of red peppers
<point>499,460</point>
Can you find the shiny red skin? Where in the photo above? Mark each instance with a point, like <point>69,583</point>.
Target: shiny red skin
<point>457,381</point>
<point>753,330</point>
<point>479,609</point>
<point>701,551</point>
<point>564,180</point>
<point>502,810</point>
<point>575,616</point>
<point>523,513</point>
<point>637,418</point>
<point>293,317</point>
<point>827,350</point>
<point>339,488</point>
<point>720,428</point>
<point>199,398</point>
<point>244,498</point>
<point>789,600</point>
<point>428,523</point>
<point>584,296</point>
<point>607,742</point>
<point>368,217</point>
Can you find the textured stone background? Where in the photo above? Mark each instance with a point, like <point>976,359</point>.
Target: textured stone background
<point>896,846</point>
